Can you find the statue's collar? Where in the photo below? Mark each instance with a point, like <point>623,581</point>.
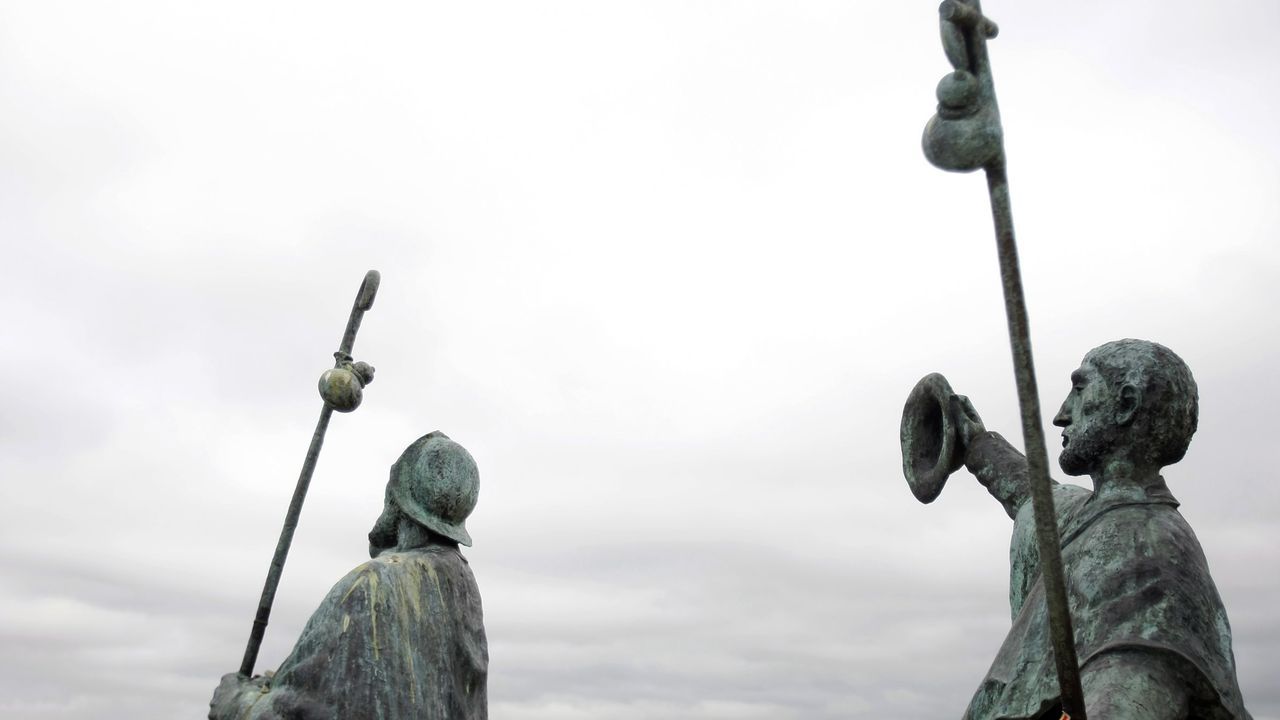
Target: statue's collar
<point>1127,492</point>
<point>1111,497</point>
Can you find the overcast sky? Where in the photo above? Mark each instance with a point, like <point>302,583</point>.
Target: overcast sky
<point>667,269</point>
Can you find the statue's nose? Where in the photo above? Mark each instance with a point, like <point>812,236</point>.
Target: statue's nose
<point>1063,418</point>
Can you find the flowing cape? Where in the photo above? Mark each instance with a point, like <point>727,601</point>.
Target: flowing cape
<point>1136,580</point>
<point>401,636</point>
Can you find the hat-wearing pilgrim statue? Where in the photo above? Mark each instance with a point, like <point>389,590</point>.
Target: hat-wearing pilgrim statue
<point>1151,632</point>
<point>401,636</point>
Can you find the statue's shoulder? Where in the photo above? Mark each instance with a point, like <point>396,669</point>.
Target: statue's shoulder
<point>1157,530</point>
<point>1068,499</point>
<point>376,580</point>
<point>1136,544</point>
<point>431,559</point>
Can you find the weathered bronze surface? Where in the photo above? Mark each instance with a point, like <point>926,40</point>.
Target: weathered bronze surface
<point>930,451</point>
<point>401,636</point>
<point>1151,631</point>
<point>965,134</point>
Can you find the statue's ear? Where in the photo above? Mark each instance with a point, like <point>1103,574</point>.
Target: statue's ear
<point>1127,405</point>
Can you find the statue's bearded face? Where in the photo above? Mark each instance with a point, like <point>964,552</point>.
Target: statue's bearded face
<point>385,532</point>
<point>1090,433</point>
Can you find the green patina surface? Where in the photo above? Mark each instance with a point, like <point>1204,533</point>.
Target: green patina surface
<point>401,636</point>
<point>1150,629</point>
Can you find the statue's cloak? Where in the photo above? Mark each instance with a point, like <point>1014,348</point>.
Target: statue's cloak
<point>401,636</point>
<point>1137,580</point>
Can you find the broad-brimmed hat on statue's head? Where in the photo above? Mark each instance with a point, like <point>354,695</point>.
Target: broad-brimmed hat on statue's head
<point>436,483</point>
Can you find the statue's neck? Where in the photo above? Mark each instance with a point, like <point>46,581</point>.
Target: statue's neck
<point>412,536</point>
<point>1124,477</point>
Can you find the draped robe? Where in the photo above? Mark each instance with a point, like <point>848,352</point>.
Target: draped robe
<point>1137,581</point>
<point>400,637</point>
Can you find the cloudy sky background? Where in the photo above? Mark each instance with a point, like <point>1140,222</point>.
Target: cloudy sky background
<point>667,269</point>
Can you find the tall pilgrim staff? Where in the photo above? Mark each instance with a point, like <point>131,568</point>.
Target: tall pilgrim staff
<point>966,135</point>
<point>341,388</point>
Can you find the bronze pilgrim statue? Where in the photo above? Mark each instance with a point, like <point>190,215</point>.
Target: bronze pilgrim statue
<point>1151,632</point>
<point>401,636</point>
